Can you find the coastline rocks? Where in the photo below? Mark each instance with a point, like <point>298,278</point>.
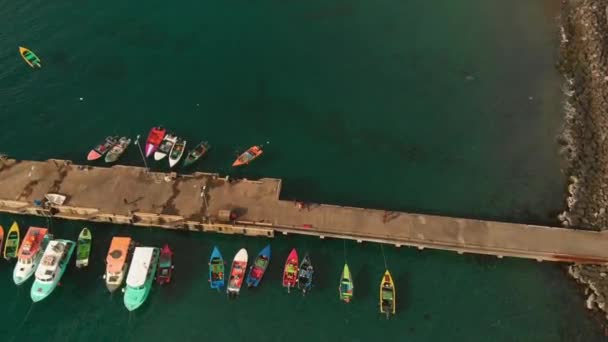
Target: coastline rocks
<point>584,64</point>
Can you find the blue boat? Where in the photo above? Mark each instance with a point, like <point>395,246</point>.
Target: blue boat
<point>256,272</point>
<point>216,269</point>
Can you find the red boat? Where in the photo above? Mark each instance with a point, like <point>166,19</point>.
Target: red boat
<point>165,265</point>
<point>290,273</point>
<point>248,156</point>
<point>154,139</point>
<point>102,148</point>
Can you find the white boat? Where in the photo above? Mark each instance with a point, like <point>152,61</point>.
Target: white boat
<point>177,152</point>
<point>52,266</point>
<point>30,253</point>
<point>117,262</point>
<point>55,199</point>
<point>141,276</point>
<point>237,272</point>
<point>165,147</point>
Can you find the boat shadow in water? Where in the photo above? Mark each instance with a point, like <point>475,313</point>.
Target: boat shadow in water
<point>361,281</point>
<point>402,292</point>
<point>323,277</point>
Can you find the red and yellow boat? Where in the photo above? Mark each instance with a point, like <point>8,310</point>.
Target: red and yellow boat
<point>248,156</point>
<point>290,273</point>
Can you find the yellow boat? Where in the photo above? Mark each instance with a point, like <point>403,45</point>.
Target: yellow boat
<point>29,57</point>
<point>11,245</point>
<point>388,301</point>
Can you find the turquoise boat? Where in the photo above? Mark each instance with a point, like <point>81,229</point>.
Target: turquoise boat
<point>141,276</point>
<point>50,270</point>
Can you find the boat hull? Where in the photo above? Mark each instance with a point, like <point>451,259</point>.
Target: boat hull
<point>114,282</point>
<point>256,273</point>
<point>237,272</point>
<point>216,260</point>
<point>135,297</point>
<point>41,290</point>
<point>93,155</point>
<point>22,273</point>
<point>290,271</point>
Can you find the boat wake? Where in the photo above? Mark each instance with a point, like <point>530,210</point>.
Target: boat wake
<point>27,315</point>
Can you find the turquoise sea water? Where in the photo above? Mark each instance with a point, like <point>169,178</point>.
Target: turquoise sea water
<point>448,107</point>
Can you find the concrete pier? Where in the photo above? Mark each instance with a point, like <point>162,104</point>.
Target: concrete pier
<point>211,203</point>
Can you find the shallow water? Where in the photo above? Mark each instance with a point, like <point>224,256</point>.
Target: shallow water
<point>425,106</point>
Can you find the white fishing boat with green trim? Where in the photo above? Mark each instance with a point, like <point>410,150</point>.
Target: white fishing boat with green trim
<point>54,262</point>
<point>141,276</point>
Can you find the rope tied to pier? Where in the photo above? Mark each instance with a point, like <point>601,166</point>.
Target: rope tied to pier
<point>383,257</point>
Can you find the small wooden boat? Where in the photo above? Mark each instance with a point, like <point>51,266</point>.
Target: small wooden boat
<point>117,150</point>
<point>30,57</point>
<point>11,245</point>
<point>305,275</point>
<point>196,153</point>
<point>388,301</point>
<point>83,249</point>
<point>216,269</point>
<point>155,137</point>
<point>165,146</point>
<point>256,272</point>
<point>248,156</point>
<point>102,148</point>
<point>237,272</point>
<point>177,152</point>
<point>346,285</point>
<point>165,266</point>
<point>290,272</point>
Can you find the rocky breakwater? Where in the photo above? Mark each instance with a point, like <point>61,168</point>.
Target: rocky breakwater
<point>584,63</point>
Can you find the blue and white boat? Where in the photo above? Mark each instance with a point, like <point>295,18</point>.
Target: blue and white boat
<point>216,269</point>
<point>257,270</point>
<point>50,270</point>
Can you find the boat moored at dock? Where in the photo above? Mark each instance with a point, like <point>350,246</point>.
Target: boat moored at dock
<point>388,300</point>
<point>248,156</point>
<point>84,248</point>
<point>305,275</point>
<point>290,272</point>
<point>216,269</point>
<point>141,276</point>
<point>29,255</point>
<point>155,137</point>
<point>346,287</point>
<point>11,243</point>
<point>50,270</point>
<point>117,262</point>
<point>165,266</point>
<point>257,270</point>
<point>237,272</point>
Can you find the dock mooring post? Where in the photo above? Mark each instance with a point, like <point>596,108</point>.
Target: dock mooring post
<point>141,152</point>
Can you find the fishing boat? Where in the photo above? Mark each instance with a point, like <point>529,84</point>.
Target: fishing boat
<point>346,285</point>
<point>141,276</point>
<point>155,137</point>
<point>388,301</point>
<point>216,269</point>
<point>30,57</point>
<point>196,153</point>
<point>117,150</point>
<point>177,151</point>
<point>237,272</point>
<point>117,262</point>
<point>84,248</point>
<point>248,156</point>
<point>305,275</point>
<point>11,243</point>
<point>30,253</point>
<point>290,272</point>
<point>165,266</point>
<point>54,262</point>
<point>165,146</point>
<point>256,272</point>
<point>102,148</point>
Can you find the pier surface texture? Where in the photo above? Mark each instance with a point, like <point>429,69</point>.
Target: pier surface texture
<point>208,202</point>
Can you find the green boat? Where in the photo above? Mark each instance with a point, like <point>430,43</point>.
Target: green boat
<point>50,270</point>
<point>196,153</point>
<point>346,285</point>
<point>141,276</point>
<point>29,57</point>
<point>84,248</point>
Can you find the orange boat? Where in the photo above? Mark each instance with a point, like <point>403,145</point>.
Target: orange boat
<point>116,262</point>
<point>248,156</point>
<point>1,236</point>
